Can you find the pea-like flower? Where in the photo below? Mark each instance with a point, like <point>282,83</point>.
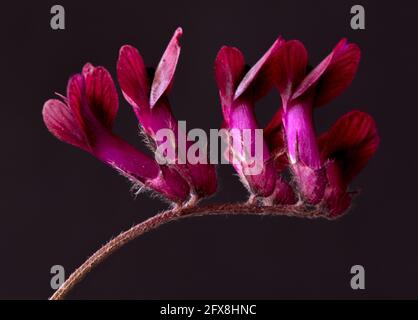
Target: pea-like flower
<point>85,118</point>
<point>291,131</point>
<point>239,90</point>
<point>147,93</point>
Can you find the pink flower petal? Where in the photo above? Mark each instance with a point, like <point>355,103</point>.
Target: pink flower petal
<point>60,121</point>
<point>291,64</point>
<point>333,75</point>
<point>301,135</point>
<point>336,198</point>
<point>133,77</point>
<point>351,142</point>
<point>77,101</point>
<point>340,73</point>
<point>164,73</point>
<point>313,77</point>
<point>101,94</point>
<point>229,70</point>
<point>259,79</point>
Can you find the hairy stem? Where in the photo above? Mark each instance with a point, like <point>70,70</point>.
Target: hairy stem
<point>172,215</point>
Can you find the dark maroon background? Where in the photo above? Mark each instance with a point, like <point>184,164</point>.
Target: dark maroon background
<point>58,204</point>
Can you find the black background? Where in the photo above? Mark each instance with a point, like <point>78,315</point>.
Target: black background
<point>58,204</point>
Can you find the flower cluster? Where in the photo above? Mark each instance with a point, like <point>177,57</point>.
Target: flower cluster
<point>84,118</point>
<point>298,167</point>
<point>321,168</point>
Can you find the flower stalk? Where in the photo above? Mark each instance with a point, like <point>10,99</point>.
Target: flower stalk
<point>171,215</point>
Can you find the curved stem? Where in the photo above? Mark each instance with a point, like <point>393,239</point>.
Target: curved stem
<point>172,215</point>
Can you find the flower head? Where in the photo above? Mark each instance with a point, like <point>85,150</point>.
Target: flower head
<point>147,93</point>
<point>85,118</point>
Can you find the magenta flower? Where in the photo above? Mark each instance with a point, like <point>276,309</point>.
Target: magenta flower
<point>85,118</point>
<point>239,90</point>
<point>322,167</point>
<point>148,96</point>
<point>346,148</point>
<point>292,126</point>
